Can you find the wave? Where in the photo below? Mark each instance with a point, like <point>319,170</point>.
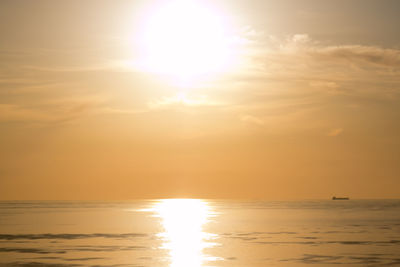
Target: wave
<point>69,236</point>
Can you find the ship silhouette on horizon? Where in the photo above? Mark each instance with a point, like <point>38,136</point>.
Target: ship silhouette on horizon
<point>340,198</point>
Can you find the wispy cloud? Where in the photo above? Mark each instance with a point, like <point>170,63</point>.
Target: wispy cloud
<point>358,54</point>
<point>44,114</point>
<point>285,72</point>
<point>112,65</point>
<point>252,119</point>
<point>15,113</point>
<point>335,132</point>
<point>182,99</point>
<point>301,56</point>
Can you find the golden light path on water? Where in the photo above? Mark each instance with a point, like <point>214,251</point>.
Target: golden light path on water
<point>183,221</point>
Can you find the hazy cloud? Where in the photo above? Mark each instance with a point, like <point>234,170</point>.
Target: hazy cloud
<point>115,65</point>
<point>335,132</point>
<point>18,113</point>
<point>10,112</point>
<point>182,99</point>
<point>252,119</point>
<point>324,84</point>
<point>301,52</point>
<point>361,54</point>
<point>303,44</point>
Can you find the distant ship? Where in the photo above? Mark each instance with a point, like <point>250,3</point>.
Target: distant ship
<point>340,198</point>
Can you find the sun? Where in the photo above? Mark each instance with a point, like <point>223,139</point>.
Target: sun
<point>185,39</point>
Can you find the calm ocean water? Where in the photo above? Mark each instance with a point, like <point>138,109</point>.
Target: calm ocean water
<point>193,233</point>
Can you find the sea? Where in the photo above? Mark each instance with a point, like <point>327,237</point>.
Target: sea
<point>200,232</point>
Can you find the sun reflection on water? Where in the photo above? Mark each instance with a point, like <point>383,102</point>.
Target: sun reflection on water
<point>184,238</point>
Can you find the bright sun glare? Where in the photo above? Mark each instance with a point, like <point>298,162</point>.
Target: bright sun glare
<point>183,220</point>
<point>185,39</point>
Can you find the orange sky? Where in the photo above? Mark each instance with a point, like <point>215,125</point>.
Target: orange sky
<point>304,104</point>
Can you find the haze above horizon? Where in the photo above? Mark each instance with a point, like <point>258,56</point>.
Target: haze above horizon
<point>290,99</point>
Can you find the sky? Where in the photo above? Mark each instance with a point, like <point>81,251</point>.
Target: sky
<point>289,99</point>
